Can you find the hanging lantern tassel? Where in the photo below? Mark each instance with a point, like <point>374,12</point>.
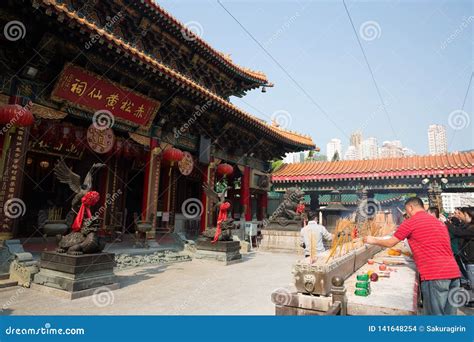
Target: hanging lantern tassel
<point>173,155</point>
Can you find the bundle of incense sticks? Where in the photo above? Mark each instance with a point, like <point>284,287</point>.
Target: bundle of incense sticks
<point>345,240</point>
<point>342,242</point>
<point>55,214</point>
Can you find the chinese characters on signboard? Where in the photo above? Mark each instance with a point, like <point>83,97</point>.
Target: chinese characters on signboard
<point>92,92</point>
<point>11,179</point>
<point>100,140</point>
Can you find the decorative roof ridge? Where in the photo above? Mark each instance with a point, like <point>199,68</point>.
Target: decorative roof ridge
<point>287,131</point>
<point>419,157</point>
<point>225,58</point>
<point>177,75</point>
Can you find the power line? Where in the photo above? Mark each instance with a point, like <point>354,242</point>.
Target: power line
<point>313,101</point>
<point>370,70</point>
<point>462,107</point>
<point>467,91</point>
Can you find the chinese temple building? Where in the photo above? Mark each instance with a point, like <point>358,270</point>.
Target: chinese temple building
<point>381,181</point>
<point>125,84</point>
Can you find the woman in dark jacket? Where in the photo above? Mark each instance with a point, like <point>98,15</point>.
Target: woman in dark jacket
<point>466,233</point>
<point>465,253</point>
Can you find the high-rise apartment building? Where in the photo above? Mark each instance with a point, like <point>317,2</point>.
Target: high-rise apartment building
<point>437,141</point>
<point>369,148</point>
<point>333,146</point>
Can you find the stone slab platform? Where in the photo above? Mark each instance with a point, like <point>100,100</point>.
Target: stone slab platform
<point>75,273</point>
<point>78,269</point>
<point>279,240</point>
<point>74,295</point>
<point>76,260</point>
<point>63,282</point>
<point>219,246</point>
<point>225,252</point>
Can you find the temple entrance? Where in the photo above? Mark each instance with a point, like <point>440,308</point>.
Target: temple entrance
<point>48,201</point>
<point>188,207</point>
<point>133,199</point>
<point>42,194</point>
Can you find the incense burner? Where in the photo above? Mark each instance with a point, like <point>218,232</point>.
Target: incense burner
<point>316,278</point>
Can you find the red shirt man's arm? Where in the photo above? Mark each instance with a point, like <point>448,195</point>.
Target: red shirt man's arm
<point>403,231</point>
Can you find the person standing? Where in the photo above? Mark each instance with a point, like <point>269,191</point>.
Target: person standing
<point>313,234</point>
<point>433,256</point>
<point>465,232</point>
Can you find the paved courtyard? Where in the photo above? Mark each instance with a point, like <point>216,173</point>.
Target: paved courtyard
<point>187,288</point>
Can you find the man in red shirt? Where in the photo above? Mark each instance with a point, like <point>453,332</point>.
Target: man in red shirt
<point>433,256</point>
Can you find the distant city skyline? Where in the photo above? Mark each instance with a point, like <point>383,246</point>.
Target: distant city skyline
<point>361,147</point>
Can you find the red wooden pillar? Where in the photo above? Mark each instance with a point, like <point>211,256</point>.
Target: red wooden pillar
<point>204,214</point>
<point>151,186</point>
<point>150,182</point>
<point>245,195</point>
<point>262,206</point>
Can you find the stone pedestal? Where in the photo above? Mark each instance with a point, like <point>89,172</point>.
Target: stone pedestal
<point>281,240</point>
<point>226,252</point>
<point>20,264</point>
<point>78,275</point>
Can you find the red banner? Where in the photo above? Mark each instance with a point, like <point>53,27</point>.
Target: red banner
<point>89,91</point>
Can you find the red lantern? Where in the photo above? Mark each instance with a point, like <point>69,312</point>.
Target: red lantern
<point>225,169</point>
<point>173,155</point>
<point>16,115</point>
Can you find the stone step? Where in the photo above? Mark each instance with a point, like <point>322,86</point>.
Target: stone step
<point>4,276</point>
<point>7,283</point>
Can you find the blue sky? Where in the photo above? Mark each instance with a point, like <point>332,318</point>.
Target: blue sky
<point>421,53</point>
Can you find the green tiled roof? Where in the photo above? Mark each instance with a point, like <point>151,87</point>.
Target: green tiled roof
<point>352,198</point>
<point>278,195</point>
